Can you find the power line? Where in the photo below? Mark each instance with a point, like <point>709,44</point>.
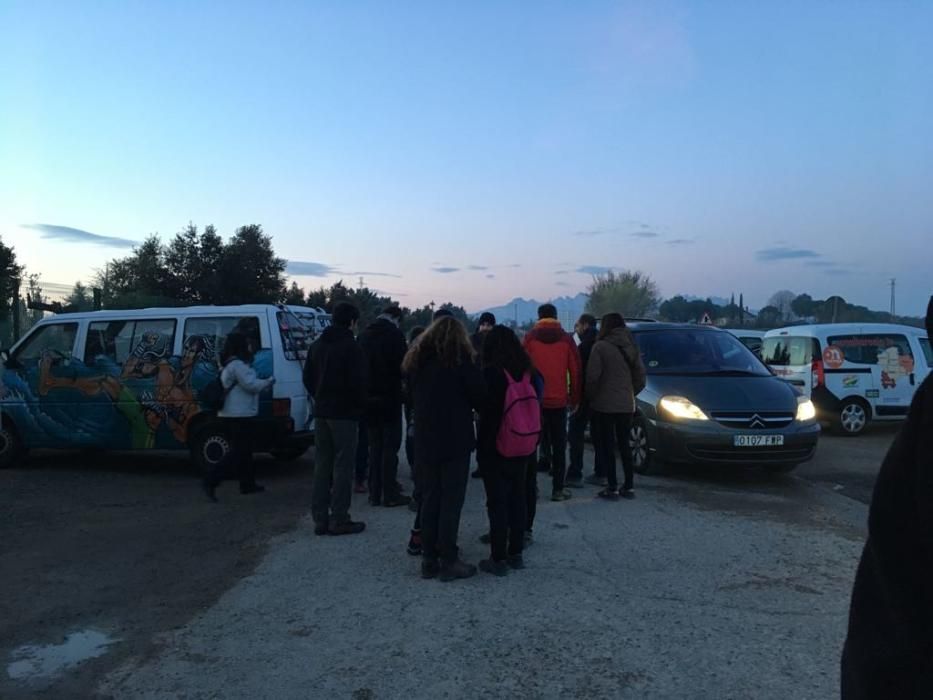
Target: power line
<point>893,298</point>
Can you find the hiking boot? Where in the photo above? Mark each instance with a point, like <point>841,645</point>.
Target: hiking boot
<point>360,487</point>
<point>414,543</point>
<point>486,538</point>
<point>516,561</point>
<point>609,494</point>
<point>396,501</point>
<point>561,495</point>
<point>347,528</point>
<point>594,480</point>
<point>529,539</point>
<point>628,493</point>
<point>476,474</point>
<point>430,568</point>
<point>496,568</point>
<point>575,482</point>
<point>321,529</point>
<point>456,569</point>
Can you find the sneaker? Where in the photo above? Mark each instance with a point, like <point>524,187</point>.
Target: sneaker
<point>360,487</point>
<point>575,482</point>
<point>208,490</point>
<point>609,494</point>
<point>430,568</point>
<point>485,538</point>
<point>496,568</point>
<point>414,544</point>
<point>561,495</point>
<point>321,529</point>
<point>375,501</point>
<point>347,528</point>
<point>396,501</point>
<point>516,561</point>
<point>254,488</point>
<point>529,539</point>
<point>456,569</point>
<point>476,474</point>
<point>628,493</point>
<point>594,480</point>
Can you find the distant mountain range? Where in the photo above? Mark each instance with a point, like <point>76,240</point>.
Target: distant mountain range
<point>524,310</point>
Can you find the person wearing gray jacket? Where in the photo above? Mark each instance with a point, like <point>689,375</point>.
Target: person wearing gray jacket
<point>241,406</point>
<point>615,374</point>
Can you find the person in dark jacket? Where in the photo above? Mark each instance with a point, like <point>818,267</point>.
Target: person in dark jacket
<point>447,387</point>
<point>888,651</point>
<point>414,541</point>
<point>614,376</point>
<point>384,345</point>
<point>586,331</point>
<point>503,477</point>
<point>487,322</point>
<point>556,357</point>
<point>335,377</point>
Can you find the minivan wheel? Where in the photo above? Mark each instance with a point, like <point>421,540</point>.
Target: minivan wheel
<point>11,447</point>
<point>638,443</point>
<point>209,448</point>
<point>853,417</point>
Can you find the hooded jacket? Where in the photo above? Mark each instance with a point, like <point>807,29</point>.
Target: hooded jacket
<point>889,648</point>
<point>335,375</point>
<point>384,345</point>
<point>555,356</point>
<point>615,373</point>
<point>587,341</point>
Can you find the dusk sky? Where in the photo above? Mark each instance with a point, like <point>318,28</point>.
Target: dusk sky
<point>484,150</point>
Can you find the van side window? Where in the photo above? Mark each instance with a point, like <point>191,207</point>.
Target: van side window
<point>118,341</point>
<point>57,338</point>
<point>927,351</point>
<point>213,331</point>
<point>867,349</point>
<point>790,350</point>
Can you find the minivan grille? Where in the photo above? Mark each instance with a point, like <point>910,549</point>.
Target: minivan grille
<point>761,420</point>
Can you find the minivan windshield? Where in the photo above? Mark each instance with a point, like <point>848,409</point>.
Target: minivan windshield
<point>696,352</point>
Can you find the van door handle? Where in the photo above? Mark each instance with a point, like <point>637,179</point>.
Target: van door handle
<point>913,380</point>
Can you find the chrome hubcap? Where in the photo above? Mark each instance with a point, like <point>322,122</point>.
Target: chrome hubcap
<point>853,418</point>
<point>638,441</point>
<point>215,449</point>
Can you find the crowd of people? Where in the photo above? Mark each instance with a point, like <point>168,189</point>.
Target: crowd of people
<point>446,395</point>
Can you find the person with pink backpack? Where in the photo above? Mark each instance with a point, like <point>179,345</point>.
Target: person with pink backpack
<point>509,430</point>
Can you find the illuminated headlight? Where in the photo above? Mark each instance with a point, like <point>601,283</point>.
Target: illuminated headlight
<point>805,409</point>
<point>679,407</point>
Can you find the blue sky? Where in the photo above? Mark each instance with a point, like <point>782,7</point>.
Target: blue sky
<point>480,151</point>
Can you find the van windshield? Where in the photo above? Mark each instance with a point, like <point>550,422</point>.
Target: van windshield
<point>697,353</point>
<point>786,350</point>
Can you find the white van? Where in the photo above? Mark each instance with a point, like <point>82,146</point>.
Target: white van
<point>750,338</point>
<point>854,372</point>
<point>130,380</point>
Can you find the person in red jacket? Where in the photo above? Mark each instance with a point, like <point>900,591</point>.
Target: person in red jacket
<point>555,356</point>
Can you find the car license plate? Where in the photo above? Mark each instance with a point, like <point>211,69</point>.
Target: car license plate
<point>759,440</point>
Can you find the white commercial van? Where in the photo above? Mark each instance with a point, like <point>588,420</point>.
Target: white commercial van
<point>131,380</point>
<point>750,338</point>
<point>854,372</point>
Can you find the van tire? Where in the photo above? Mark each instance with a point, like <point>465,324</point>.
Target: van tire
<point>852,418</point>
<point>288,454</point>
<point>11,446</point>
<point>210,447</point>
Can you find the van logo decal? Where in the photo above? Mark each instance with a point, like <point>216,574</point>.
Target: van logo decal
<point>850,380</point>
<point>756,422</point>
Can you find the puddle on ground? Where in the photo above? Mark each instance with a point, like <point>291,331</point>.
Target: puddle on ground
<point>34,662</point>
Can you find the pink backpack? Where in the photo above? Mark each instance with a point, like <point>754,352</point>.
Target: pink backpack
<point>521,419</point>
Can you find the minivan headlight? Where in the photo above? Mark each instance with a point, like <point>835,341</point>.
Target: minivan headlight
<point>679,407</point>
<point>805,409</point>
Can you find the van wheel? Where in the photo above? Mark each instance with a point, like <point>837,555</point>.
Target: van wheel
<point>638,444</point>
<point>11,447</point>
<point>853,418</point>
<point>210,447</point>
<point>288,454</point>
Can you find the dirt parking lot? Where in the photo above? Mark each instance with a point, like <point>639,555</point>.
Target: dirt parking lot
<point>127,544</point>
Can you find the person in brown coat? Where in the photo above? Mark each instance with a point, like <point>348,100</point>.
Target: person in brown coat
<point>614,376</point>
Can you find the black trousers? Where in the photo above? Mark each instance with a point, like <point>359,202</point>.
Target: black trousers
<point>362,453</point>
<point>240,433</point>
<point>575,435</point>
<point>554,433</point>
<point>613,431</point>
<point>385,439</point>
<point>505,479</point>
<point>443,489</point>
<point>531,491</point>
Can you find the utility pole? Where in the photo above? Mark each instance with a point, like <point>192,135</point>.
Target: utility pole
<point>893,299</point>
<point>361,283</point>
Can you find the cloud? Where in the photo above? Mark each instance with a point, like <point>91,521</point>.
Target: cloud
<point>820,263</point>
<point>76,235</point>
<point>309,269</point>
<point>563,272</point>
<point>490,276</point>
<point>477,267</point>
<point>514,265</point>
<point>785,253</point>
<point>837,271</point>
<point>681,241</point>
<point>562,284</point>
<point>593,269</point>
<point>376,274</point>
<point>445,270</point>
<point>644,234</point>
